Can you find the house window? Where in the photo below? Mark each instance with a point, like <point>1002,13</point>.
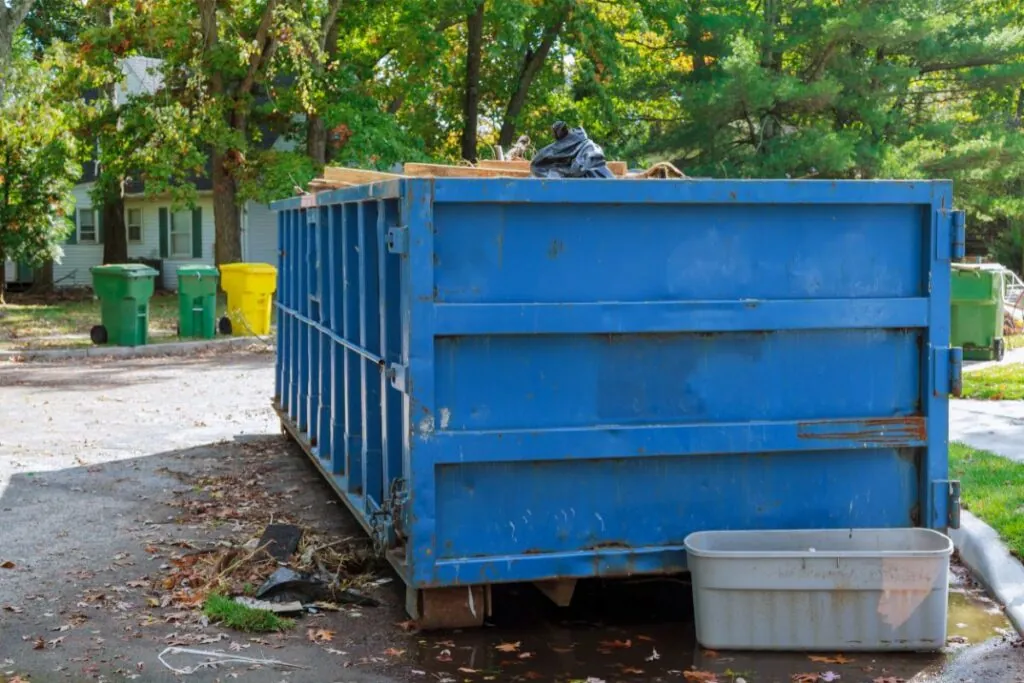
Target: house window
<point>134,226</point>
<point>181,234</point>
<point>87,226</point>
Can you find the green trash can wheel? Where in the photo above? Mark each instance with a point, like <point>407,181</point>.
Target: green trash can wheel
<point>98,335</point>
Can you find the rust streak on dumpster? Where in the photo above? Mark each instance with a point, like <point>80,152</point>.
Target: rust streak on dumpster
<point>881,431</point>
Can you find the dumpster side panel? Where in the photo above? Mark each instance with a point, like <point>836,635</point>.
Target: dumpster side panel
<point>531,379</point>
<point>606,378</point>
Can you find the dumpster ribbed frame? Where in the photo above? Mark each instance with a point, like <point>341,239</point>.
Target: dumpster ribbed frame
<point>373,346</point>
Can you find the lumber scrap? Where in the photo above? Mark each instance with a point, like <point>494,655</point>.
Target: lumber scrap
<point>446,171</point>
<point>356,176</point>
<point>618,168</point>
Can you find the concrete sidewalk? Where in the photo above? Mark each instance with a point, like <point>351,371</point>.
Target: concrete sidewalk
<point>996,426</point>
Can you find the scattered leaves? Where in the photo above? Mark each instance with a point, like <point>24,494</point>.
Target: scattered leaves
<point>654,656</point>
<point>645,638</point>
<point>38,643</point>
<point>562,650</point>
<point>632,670</point>
<point>444,655</point>
<point>508,647</point>
<point>408,626</point>
<point>829,677</point>
<point>700,676</point>
<point>392,652</point>
<point>616,644</point>
<point>838,659</point>
<point>55,642</point>
<point>7,564</point>
<point>805,678</point>
<point>710,654</point>
<point>319,635</point>
<point>14,608</point>
<point>888,679</point>
<point>525,655</point>
<point>467,670</point>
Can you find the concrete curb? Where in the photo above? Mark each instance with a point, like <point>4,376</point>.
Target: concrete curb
<point>991,563</point>
<point>150,351</point>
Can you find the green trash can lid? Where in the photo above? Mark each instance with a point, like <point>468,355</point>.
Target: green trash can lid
<point>198,271</point>
<point>125,270</point>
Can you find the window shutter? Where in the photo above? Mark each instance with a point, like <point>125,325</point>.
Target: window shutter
<point>99,225</point>
<point>73,235</point>
<point>197,232</point>
<point>165,235</point>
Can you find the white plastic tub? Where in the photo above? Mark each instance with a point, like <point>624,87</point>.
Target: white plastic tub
<point>841,590</point>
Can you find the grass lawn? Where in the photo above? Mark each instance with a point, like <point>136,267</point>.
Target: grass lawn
<point>992,489</point>
<point>996,383</point>
<point>34,322</point>
<point>1014,341</point>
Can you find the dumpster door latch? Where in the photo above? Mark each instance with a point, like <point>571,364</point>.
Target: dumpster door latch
<point>958,235</point>
<point>951,490</point>
<point>398,240</point>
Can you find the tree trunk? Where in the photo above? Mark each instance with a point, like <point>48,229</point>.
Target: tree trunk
<point>316,139</point>
<point>115,234</point>
<point>12,13</point>
<point>3,275</point>
<point>474,56</point>
<point>227,246</point>
<point>42,279</point>
<point>532,63</point>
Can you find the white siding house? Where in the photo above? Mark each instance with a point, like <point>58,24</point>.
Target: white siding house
<point>157,231</point>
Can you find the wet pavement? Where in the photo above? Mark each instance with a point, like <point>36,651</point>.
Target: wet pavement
<point>643,631</point>
<point>81,493</point>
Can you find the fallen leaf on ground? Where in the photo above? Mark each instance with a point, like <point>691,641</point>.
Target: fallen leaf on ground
<point>616,644</point>
<point>710,654</point>
<point>805,678</point>
<point>646,638</point>
<point>829,677</point>
<point>632,670</point>
<point>332,651</point>
<point>319,635</point>
<point>55,642</point>
<point>38,643</point>
<point>444,656</point>
<point>525,655</point>
<point>408,626</point>
<point>654,656</point>
<point>12,608</point>
<point>467,670</point>
<point>562,650</point>
<point>392,652</point>
<point>700,676</point>
<point>7,565</point>
<point>508,647</point>
<point>889,679</point>
<point>838,659</point>
<point>532,676</point>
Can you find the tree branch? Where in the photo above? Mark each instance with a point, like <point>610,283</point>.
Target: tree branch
<point>266,45</point>
<point>980,60</point>
<point>332,16</point>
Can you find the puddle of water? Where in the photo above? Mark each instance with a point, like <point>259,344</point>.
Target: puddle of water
<point>643,631</point>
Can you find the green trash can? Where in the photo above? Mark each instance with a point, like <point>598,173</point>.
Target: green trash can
<point>977,310</point>
<point>197,301</point>
<point>124,291</point>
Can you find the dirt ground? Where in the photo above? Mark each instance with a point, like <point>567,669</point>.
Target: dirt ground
<point>114,476</point>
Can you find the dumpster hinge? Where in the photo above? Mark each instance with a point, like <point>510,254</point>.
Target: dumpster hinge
<point>958,235</point>
<point>398,240</point>
<point>386,522</point>
<point>948,370</point>
<point>397,376</point>
<point>950,488</point>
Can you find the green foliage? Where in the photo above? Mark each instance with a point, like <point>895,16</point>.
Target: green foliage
<point>39,162</point>
<point>993,489</point>
<point>220,608</point>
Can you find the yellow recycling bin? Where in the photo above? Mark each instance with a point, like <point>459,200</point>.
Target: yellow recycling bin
<point>250,288</point>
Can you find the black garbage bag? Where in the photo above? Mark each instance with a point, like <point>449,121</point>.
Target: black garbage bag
<point>571,155</point>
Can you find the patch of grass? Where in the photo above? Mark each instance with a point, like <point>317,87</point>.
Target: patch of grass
<point>241,618</point>
<point>997,383</point>
<point>992,489</point>
<point>1014,341</point>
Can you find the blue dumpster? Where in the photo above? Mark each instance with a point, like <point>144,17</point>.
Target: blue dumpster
<point>524,380</point>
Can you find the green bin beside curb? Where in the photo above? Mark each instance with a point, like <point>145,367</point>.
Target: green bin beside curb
<point>124,291</point>
<point>977,311</point>
<point>197,301</point>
